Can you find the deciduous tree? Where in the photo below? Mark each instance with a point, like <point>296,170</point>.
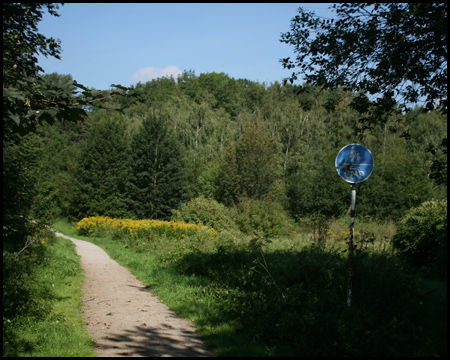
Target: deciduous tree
<point>391,54</point>
<point>250,167</point>
<point>394,49</point>
<point>28,100</point>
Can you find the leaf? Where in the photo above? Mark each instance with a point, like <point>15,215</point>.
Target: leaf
<point>72,114</point>
<point>14,117</point>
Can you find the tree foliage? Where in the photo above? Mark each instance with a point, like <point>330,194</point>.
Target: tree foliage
<point>18,193</point>
<point>317,191</point>
<point>275,149</point>
<point>250,167</point>
<point>392,55</point>
<point>103,174</point>
<point>396,50</point>
<point>159,182</point>
<point>21,41</point>
<point>248,154</point>
<point>207,212</point>
<point>422,237</point>
<point>28,99</point>
<point>227,138</point>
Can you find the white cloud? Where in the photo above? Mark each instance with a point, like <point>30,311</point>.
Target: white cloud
<point>150,73</point>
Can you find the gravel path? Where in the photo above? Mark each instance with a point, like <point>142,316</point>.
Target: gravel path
<point>123,318</point>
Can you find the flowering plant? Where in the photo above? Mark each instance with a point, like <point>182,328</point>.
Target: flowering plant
<point>139,228</point>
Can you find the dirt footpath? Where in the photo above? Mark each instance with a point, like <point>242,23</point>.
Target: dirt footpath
<point>123,317</point>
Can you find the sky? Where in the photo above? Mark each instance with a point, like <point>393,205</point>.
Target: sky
<point>104,44</point>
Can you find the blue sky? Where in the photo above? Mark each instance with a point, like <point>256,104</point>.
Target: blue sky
<point>106,44</point>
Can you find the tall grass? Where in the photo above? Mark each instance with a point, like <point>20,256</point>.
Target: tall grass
<point>50,325</point>
<point>287,296</point>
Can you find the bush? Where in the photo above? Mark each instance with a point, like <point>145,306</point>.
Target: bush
<point>293,303</point>
<point>23,297</point>
<point>422,236</point>
<point>207,212</point>
<point>263,216</point>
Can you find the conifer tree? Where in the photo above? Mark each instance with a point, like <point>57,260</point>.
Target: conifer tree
<point>159,182</point>
<point>104,170</point>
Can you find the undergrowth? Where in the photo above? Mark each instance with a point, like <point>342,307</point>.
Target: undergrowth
<point>270,297</point>
<point>42,299</point>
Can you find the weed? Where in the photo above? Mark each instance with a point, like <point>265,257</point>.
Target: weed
<point>287,296</point>
<point>45,319</point>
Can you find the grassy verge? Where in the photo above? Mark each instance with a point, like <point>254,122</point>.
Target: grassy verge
<point>54,328</point>
<point>289,298</point>
<point>186,295</point>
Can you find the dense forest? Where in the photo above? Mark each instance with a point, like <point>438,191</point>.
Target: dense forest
<point>214,136</point>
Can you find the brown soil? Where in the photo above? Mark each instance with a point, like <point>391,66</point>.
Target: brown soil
<point>123,317</point>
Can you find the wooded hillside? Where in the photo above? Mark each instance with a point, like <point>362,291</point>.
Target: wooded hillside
<point>218,137</point>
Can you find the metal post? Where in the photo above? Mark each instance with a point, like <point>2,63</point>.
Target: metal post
<point>350,247</point>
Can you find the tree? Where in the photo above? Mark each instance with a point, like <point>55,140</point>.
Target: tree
<point>317,190</point>
<point>104,170</point>
<point>21,42</point>
<point>393,49</point>
<point>159,182</point>
<point>55,171</point>
<point>28,100</point>
<point>18,193</point>
<point>422,237</point>
<point>249,168</point>
<point>394,52</point>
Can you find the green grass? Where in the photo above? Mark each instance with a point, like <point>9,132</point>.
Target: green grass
<point>55,329</point>
<point>288,298</point>
<point>180,293</point>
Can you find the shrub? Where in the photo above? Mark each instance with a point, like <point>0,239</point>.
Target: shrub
<point>23,297</point>
<point>422,236</point>
<point>207,212</point>
<point>262,216</point>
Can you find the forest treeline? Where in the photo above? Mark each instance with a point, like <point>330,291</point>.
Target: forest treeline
<point>248,160</point>
<point>229,139</point>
